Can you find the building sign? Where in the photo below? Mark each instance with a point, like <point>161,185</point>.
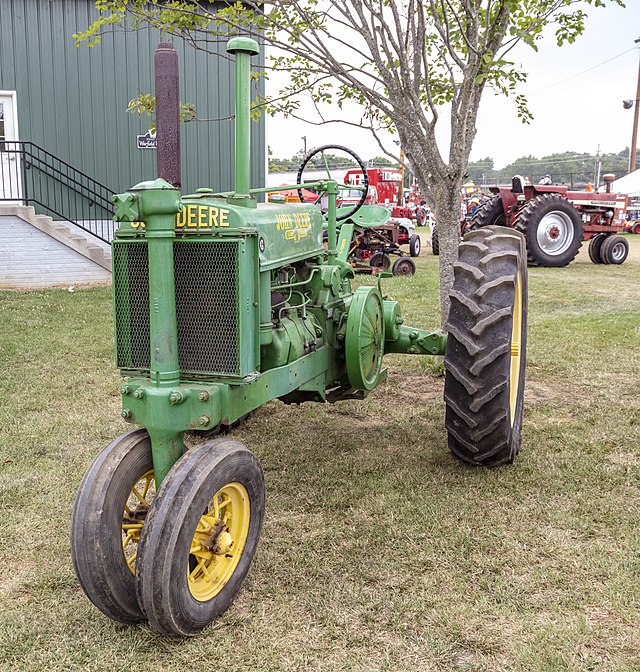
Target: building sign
<point>147,141</point>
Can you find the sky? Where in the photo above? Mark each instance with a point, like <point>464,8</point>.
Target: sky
<point>575,94</point>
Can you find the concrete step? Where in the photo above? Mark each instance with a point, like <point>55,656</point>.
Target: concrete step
<point>73,237</point>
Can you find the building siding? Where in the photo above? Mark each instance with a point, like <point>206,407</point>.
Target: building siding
<point>30,258</point>
<point>72,100</point>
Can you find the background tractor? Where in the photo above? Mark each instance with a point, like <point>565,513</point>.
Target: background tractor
<point>376,239</point>
<point>221,305</point>
<point>555,221</point>
<point>381,230</point>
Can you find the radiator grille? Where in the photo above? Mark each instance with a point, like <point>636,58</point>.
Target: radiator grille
<point>207,305</point>
<point>131,299</point>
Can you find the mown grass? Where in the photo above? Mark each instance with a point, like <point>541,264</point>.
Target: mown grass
<point>379,551</point>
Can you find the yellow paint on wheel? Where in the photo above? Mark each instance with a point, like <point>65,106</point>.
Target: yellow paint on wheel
<point>516,349</point>
<point>218,542</point>
<point>135,511</point>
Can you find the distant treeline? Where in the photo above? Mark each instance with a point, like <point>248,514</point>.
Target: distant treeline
<point>317,162</point>
<point>568,168</point>
<point>571,168</point>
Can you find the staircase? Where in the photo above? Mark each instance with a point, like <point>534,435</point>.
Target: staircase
<point>74,237</point>
<point>57,199</point>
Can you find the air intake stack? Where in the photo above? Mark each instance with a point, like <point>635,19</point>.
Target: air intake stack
<point>243,48</point>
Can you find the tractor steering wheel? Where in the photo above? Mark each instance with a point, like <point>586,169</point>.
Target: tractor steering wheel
<point>364,187</point>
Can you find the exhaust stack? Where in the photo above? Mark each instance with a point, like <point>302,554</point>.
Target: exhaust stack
<point>165,61</point>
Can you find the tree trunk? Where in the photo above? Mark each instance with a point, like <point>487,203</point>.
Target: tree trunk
<point>447,210</point>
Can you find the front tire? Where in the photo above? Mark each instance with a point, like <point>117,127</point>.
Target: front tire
<point>414,245</point>
<point>380,261</point>
<point>614,250</point>
<point>595,244</point>
<point>486,347</point>
<point>200,537</point>
<point>108,514</point>
<point>404,266</point>
<point>435,241</point>
<point>553,230</point>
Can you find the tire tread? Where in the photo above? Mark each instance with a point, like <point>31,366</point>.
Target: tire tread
<point>478,354</point>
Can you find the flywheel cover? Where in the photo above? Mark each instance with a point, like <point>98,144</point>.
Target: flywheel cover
<point>364,342</point>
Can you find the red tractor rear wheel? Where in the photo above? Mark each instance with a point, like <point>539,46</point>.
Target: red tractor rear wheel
<point>552,228</point>
<point>490,214</point>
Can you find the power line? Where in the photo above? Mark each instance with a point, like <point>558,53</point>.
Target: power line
<point>540,162</point>
<point>593,67</point>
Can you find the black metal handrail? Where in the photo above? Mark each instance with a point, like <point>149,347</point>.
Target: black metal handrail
<point>31,175</point>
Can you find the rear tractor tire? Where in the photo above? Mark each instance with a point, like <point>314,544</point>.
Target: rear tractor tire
<point>200,537</point>
<point>486,347</point>
<point>490,213</point>
<point>552,228</point>
<point>614,250</point>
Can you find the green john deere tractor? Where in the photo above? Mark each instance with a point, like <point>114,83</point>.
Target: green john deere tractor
<point>222,305</point>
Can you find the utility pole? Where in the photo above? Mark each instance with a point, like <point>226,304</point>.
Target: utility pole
<point>304,139</point>
<point>400,194</point>
<point>634,135</point>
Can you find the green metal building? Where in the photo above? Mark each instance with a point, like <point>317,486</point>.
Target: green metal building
<point>72,101</point>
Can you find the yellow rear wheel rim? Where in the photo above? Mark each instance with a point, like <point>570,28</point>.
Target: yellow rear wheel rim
<point>218,542</point>
<point>516,350</point>
<point>135,511</point>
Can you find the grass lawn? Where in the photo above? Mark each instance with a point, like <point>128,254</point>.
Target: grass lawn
<point>379,551</point>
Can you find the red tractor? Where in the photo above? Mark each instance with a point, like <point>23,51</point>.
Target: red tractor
<point>555,221</point>
<point>384,186</point>
<point>379,229</point>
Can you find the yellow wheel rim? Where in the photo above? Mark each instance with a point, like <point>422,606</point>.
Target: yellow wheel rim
<point>135,511</point>
<point>516,350</point>
<point>219,541</point>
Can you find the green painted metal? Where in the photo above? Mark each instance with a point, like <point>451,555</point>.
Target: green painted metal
<point>157,203</point>
<point>222,305</point>
<point>367,215</point>
<point>243,48</point>
<point>412,341</point>
<point>365,338</point>
<point>344,241</point>
<point>332,192</point>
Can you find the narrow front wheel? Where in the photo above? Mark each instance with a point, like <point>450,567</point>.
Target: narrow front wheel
<point>614,250</point>
<point>109,513</point>
<point>414,245</point>
<point>200,537</point>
